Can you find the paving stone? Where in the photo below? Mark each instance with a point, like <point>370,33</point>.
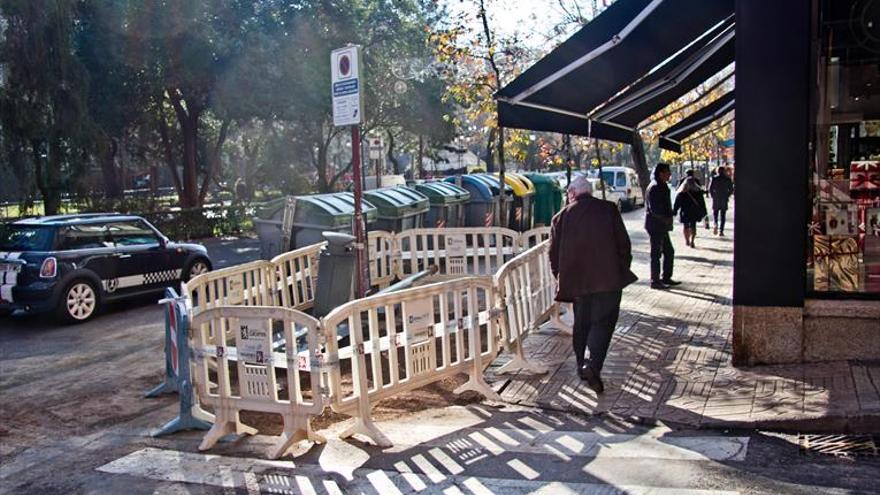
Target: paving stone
<point>670,358</point>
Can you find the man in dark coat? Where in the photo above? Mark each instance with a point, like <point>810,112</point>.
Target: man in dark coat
<point>720,189</point>
<point>590,255</point>
<point>658,223</point>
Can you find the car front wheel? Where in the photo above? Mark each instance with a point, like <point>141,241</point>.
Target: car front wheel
<point>78,302</point>
<point>196,268</point>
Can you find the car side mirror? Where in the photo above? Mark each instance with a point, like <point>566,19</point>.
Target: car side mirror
<point>163,241</point>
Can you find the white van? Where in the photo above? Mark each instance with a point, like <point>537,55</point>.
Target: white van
<point>625,181</point>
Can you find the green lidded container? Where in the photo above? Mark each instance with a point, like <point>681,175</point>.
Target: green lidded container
<point>447,203</point>
<point>399,208</point>
<point>548,198</point>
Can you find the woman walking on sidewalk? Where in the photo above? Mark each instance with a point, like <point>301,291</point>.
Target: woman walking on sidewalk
<point>691,207</point>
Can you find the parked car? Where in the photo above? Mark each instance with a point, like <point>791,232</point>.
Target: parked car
<point>625,181</point>
<point>74,264</point>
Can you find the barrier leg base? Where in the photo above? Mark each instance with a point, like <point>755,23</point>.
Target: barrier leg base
<point>295,430</point>
<point>222,428</point>
<point>518,363</point>
<point>477,384</point>
<point>367,428</point>
<point>182,424</point>
<point>166,387</point>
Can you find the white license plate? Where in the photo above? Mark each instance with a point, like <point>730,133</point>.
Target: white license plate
<point>10,267</point>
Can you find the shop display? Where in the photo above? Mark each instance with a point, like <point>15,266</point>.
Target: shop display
<point>864,180</point>
<point>837,220</point>
<point>836,263</point>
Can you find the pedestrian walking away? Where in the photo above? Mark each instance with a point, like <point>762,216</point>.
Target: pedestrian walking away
<point>658,223</point>
<point>691,207</point>
<point>590,256</point>
<point>720,189</point>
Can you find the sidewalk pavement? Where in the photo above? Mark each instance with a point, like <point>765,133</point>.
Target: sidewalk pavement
<point>670,359</point>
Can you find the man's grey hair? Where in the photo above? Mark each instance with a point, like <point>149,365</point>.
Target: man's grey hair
<point>580,185</point>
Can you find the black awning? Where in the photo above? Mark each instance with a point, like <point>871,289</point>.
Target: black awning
<point>618,47</point>
<point>522,117</point>
<point>684,72</point>
<point>671,138</point>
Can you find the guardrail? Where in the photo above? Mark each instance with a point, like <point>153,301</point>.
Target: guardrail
<point>254,385</point>
<point>371,348</point>
<point>406,340</point>
<point>526,291</point>
<point>458,252</point>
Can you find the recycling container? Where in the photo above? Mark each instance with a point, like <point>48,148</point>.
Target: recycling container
<point>447,203</point>
<point>485,191</point>
<point>327,213</point>
<point>398,208</point>
<point>520,217</point>
<point>548,198</point>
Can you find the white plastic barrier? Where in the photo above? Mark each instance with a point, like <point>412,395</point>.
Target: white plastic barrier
<point>526,290</point>
<point>382,253</point>
<point>242,337</point>
<point>408,339</point>
<point>532,238</point>
<point>457,252</point>
<point>297,276</point>
<point>250,284</point>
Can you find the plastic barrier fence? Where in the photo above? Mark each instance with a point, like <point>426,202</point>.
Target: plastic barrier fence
<point>382,252</point>
<point>297,276</point>
<point>236,370</point>
<point>408,339</point>
<point>532,238</point>
<point>459,252</point>
<point>526,291</point>
<point>250,284</point>
<point>177,369</point>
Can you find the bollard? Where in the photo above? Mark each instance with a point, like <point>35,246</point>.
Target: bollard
<point>177,372</point>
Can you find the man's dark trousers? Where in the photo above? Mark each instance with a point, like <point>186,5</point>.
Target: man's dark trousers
<point>595,316</point>
<point>661,246</point>
<point>720,212</point>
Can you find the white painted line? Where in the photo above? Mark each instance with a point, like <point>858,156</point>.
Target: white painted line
<point>284,477</point>
<point>523,469</point>
<point>447,462</point>
<point>428,469</point>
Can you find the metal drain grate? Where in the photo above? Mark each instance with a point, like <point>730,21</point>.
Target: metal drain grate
<point>838,445</point>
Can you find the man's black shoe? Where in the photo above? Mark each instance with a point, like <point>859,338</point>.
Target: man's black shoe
<point>592,378</point>
<point>670,282</point>
<point>656,284</point>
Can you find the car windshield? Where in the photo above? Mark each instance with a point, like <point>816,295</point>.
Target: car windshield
<point>26,237</point>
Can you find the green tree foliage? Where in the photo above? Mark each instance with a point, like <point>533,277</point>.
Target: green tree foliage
<point>42,105</point>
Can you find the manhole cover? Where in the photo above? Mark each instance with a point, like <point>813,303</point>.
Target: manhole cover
<point>838,445</point>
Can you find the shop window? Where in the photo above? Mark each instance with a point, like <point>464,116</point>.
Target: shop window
<point>844,248</point>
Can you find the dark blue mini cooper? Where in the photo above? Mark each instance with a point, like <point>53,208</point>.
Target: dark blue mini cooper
<point>72,264</point>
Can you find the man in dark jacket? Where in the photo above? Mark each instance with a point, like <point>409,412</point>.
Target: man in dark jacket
<point>590,255</point>
<point>658,223</point>
<point>720,189</point>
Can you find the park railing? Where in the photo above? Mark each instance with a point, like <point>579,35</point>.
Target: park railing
<point>255,349</point>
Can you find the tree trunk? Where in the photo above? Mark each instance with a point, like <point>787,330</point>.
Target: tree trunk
<point>395,163</point>
<point>640,161</point>
<point>490,152</point>
<point>112,188</point>
<point>321,165</point>
<point>503,213</point>
<point>421,162</point>
<point>190,134</point>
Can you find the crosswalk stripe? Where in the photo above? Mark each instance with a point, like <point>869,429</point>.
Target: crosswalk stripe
<point>284,477</point>
<point>496,441</point>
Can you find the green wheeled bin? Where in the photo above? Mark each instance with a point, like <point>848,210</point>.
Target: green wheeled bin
<point>447,203</point>
<point>548,198</point>
<point>482,208</point>
<point>399,208</point>
<point>327,213</point>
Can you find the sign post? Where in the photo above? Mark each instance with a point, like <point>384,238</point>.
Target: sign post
<point>348,109</point>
